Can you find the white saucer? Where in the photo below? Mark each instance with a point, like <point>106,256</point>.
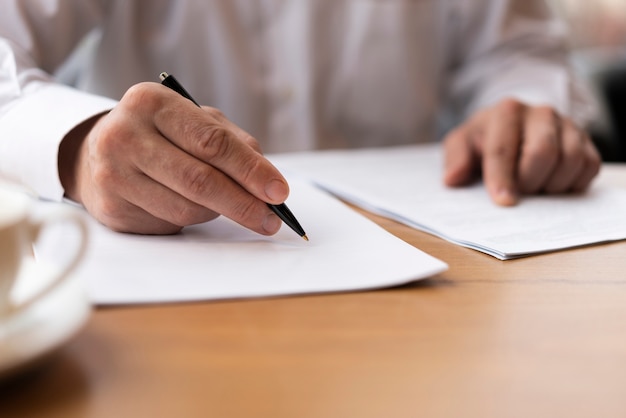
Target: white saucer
<point>31,334</point>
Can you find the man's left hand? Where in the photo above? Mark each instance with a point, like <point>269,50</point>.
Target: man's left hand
<point>520,149</point>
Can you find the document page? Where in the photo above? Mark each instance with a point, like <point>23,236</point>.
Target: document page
<point>406,184</point>
<point>221,259</point>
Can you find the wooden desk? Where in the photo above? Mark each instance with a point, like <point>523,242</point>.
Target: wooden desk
<point>543,336</point>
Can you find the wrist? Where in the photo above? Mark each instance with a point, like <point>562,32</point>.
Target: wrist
<point>71,157</point>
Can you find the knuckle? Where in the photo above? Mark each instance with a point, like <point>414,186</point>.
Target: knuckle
<point>575,160</point>
<point>143,96</point>
<point>501,151</point>
<point>547,113</point>
<point>574,139</point>
<point>510,106</point>
<point>245,210</point>
<point>197,180</point>
<point>213,141</point>
<point>575,149</point>
<point>544,145</point>
<point>250,168</point>
<point>566,172</point>
<point>185,214</point>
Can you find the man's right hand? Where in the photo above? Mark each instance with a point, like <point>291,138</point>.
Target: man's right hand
<point>157,163</point>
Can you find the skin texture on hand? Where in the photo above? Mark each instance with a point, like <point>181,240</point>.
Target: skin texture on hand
<point>157,163</point>
<point>519,150</point>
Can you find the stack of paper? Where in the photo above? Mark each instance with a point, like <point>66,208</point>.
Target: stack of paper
<point>405,184</point>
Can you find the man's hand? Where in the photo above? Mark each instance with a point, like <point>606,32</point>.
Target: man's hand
<point>520,149</point>
<point>157,163</point>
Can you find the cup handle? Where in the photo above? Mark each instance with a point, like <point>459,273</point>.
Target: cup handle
<point>35,229</point>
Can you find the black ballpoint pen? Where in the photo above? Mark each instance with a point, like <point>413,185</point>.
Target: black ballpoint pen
<point>281,210</point>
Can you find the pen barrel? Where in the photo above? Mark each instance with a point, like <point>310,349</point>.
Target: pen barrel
<point>287,217</point>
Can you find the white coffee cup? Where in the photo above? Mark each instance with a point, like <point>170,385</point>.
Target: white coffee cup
<point>18,233</point>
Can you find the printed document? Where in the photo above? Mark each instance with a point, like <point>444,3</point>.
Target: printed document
<point>406,184</point>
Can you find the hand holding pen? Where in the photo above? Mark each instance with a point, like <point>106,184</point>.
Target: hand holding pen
<point>157,163</point>
<point>281,209</point>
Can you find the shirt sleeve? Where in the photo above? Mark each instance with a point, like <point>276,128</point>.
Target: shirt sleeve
<point>514,49</point>
<point>36,112</point>
<point>29,148</point>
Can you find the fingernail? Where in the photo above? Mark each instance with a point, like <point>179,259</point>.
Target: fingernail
<point>271,224</point>
<point>505,197</point>
<point>277,191</point>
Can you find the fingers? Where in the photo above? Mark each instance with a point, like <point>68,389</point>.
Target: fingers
<point>540,150</point>
<point>503,137</point>
<point>591,168</point>
<point>204,135</point>
<point>161,209</point>
<point>462,163</point>
<point>157,163</point>
<point>240,133</point>
<point>122,197</point>
<point>194,185</point>
<point>521,150</point>
<point>557,156</point>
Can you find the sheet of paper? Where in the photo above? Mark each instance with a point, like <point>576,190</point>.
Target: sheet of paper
<point>221,259</point>
<point>405,183</point>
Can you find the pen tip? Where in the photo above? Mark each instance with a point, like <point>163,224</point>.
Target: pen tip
<point>304,237</point>
<point>163,75</point>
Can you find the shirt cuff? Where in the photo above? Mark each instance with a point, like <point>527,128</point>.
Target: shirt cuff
<point>541,85</point>
<point>32,130</point>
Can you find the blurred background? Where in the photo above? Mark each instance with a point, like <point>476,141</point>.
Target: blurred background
<point>598,41</point>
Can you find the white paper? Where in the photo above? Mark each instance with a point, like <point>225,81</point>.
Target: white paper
<point>221,259</point>
<point>406,184</point>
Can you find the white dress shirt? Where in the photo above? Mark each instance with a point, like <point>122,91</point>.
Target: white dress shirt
<point>296,74</point>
